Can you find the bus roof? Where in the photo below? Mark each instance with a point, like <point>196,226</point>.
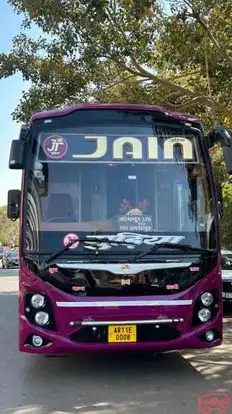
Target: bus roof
<point>65,111</point>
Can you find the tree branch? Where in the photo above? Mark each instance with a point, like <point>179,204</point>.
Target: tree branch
<point>138,71</point>
<point>183,75</point>
<point>121,81</point>
<point>196,15</point>
<point>117,83</point>
<point>165,82</point>
<point>204,99</point>
<point>207,64</point>
<point>171,95</point>
<point>186,103</point>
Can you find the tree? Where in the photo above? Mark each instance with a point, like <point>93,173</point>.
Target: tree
<point>181,59</point>
<point>9,230</point>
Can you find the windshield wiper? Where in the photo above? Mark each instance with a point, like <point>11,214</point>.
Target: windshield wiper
<point>43,266</point>
<point>183,247</point>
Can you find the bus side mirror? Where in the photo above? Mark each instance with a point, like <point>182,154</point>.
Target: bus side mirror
<point>17,155</point>
<point>222,136</point>
<point>13,204</point>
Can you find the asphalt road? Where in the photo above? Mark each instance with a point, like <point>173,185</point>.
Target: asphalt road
<point>113,384</point>
<point>8,272</point>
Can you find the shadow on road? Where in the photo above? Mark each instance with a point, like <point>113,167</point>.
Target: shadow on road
<point>107,384</point>
<point>216,365</point>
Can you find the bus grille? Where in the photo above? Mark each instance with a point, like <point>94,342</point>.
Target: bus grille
<point>227,287</point>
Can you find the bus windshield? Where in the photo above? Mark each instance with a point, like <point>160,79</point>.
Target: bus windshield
<point>144,180</point>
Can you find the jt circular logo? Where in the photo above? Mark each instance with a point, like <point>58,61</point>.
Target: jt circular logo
<point>55,146</point>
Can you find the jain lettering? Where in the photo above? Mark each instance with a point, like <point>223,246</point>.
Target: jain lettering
<point>122,147</point>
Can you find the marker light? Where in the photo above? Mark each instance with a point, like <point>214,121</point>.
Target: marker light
<point>207,299</point>
<point>204,315</point>
<point>37,301</point>
<point>41,318</point>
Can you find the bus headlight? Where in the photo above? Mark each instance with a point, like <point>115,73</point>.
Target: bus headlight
<point>37,301</point>
<point>41,318</point>
<point>207,299</point>
<point>204,315</point>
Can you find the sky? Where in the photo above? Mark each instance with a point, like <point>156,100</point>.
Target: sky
<point>10,93</point>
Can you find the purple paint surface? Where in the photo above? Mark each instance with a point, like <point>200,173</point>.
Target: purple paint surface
<point>60,112</point>
<point>60,339</point>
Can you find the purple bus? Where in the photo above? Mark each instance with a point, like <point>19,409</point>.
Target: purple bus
<point>120,240</point>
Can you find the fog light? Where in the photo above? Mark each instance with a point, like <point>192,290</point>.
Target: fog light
<point>207,299</point>
<point>209,336</point>
<point>37,341</point>
<point>41,318</point>
<point>37,301</point>
<point>204,315</point>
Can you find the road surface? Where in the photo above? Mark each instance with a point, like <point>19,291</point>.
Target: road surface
<point>114,384</point>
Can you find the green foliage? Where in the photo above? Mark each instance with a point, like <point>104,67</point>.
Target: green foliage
<point>9,230</point>
<point>221,177</point>
<point>227,216</point>
<point>182,60</point>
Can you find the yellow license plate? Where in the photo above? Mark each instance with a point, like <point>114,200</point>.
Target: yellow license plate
<point>122,333</point>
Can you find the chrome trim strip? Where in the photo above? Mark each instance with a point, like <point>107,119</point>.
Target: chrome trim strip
<point>118,303</point>
<point>117,268</point>
<point>226,278</point>
<point>137,322</point>
<point>227,275</point>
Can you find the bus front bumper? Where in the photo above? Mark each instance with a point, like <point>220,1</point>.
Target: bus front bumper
<point>94,337</point>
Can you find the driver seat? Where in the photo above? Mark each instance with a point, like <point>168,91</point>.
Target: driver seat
<point>60,205</point>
